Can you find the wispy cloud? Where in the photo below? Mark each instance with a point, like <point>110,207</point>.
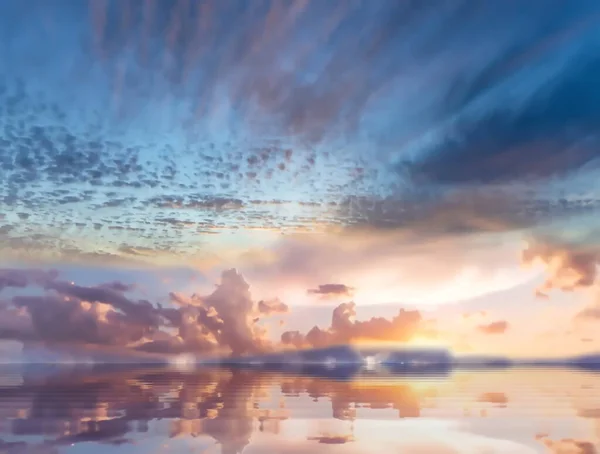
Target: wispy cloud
<point>173,129</point>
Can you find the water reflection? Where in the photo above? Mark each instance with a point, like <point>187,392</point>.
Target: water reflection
<point>233,411</point>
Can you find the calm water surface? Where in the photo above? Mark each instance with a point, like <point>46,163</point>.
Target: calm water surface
<point>222,411</point>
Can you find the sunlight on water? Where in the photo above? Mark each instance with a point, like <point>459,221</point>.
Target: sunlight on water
<point>232,411</point>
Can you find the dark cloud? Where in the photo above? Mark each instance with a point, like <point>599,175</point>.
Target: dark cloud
<point>332,290</point>
<point>432,213</point>
<point>141,310</point>
<point>344,328</point>
<point>498,327</point>
<point>547,129</point>
<point>64,319</point>
<point>118,286</point>
<point>21,278</point>
<point>16,323</point>
<point>274,306</point>
<point>226,321</point>
<point>332,439</point>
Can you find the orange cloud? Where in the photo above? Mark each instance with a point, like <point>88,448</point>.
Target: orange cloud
<point>498,327</point>
<point>567,445</point>
<point>494,398</point>
<point>569,265</point>
<point>406,325</point>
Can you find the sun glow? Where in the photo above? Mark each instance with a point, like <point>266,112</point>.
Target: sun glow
<point>416,342</point>
<point>185,361</point>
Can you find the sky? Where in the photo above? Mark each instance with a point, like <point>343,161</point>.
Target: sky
<point>181,177</point>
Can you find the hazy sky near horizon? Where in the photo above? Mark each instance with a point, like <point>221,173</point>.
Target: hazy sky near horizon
<point>440,158</point>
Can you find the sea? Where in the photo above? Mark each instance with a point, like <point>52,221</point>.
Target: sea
<point>134,410</point>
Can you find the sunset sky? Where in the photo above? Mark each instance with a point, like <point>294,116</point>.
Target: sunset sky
<point>388,171</point>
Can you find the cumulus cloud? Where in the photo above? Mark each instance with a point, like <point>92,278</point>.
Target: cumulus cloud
<point>225,320</point>
<point>344,328</point>
<point>15,323</point>
<point>498,327</point>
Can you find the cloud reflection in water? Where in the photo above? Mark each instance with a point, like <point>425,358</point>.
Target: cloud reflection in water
<point>234,411</point>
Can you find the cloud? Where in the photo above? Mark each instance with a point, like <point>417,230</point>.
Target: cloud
<point>274,306</point>
<point>589,313</point>
<point>569,265</point>
<point>60,319</point>
<point>426,213</point>
<point>494,398</point>
<point>268,116</point>
<point>344,329</point>
<point>332,290</point>
<point>498,327</point>
<point>568,445</point>
<point>386,267</point>
<point>332,439</point>
<point>15,323</point>
<point>224,321</point>
<point>141,310</point>
<point>21,278</point>
<point>547,130</point>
